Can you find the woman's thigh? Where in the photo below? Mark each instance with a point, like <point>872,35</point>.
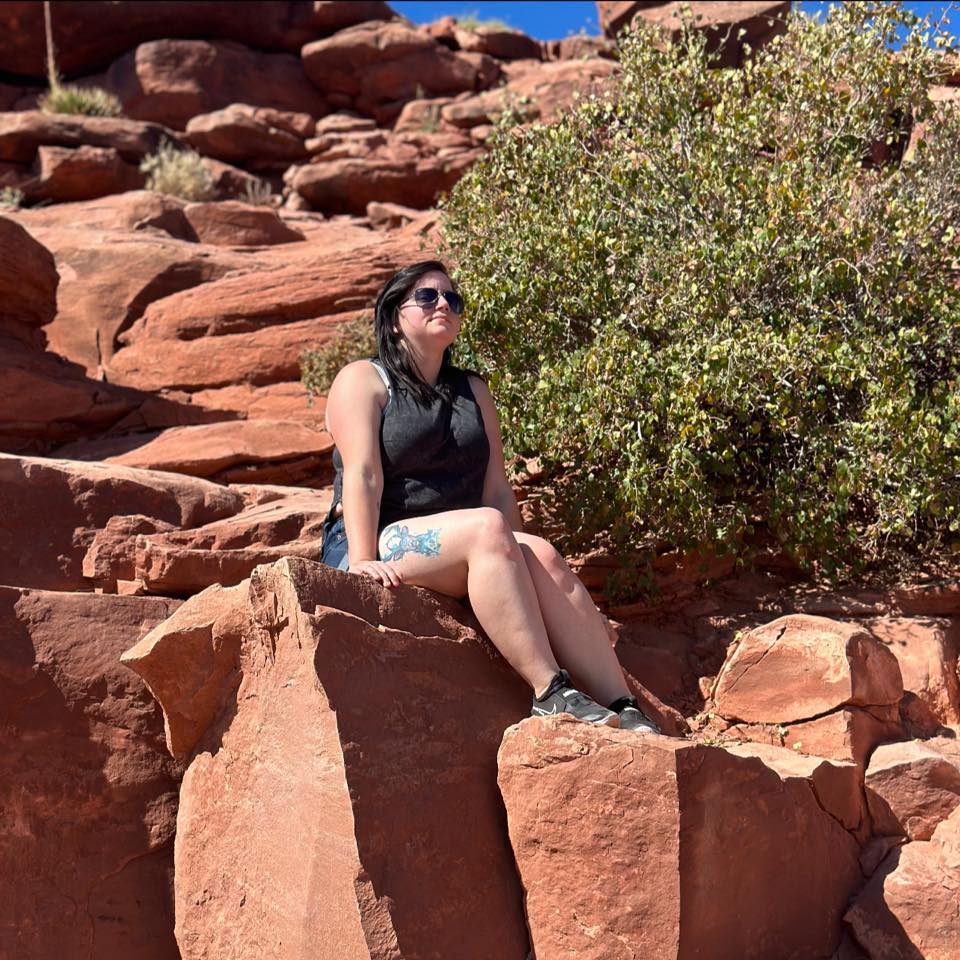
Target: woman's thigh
<point>434,551</point>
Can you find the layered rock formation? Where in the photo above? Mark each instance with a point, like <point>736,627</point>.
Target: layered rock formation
<point>349,789</point>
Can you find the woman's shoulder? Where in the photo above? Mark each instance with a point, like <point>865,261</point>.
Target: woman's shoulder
<point>359,379</point>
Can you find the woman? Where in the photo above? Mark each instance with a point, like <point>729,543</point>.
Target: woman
<point>421,497</point>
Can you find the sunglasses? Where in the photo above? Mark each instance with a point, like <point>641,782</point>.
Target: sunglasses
<point>428,297</point>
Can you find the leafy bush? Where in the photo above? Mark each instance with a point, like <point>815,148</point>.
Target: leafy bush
<point>354,340</point>
<point>11,197</point>
<point>712,316</point>
<point>89,101</point>
<point>178,172</point>
<point>472,21</point>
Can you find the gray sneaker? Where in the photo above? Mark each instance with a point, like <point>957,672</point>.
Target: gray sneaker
<point>632,717</point>
<point>560,697</point>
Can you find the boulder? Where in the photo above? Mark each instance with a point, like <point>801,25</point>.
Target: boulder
<point>541,91</point>
<point>267,451</point>
<point>45,400</point>
<point>258,357</point>
<point>577,47</point>
<point>409,168</point>
<point>908,909</point>
<point>231,223</point>
<point>24,132</point>
<point>926,649</point>
<point>183,562</point>
<point>28,284</point>
<point>728,26</point>
<point>376,67</point>
<point>272,401</point>
<point>192,660</point>
<point>500,44</point>
<point>65,174</point>
<point>912,787</point>
<point>660,848</point>
<point>53,508</point>
<point>238,135</point>
<point>799,667</point>
<point>344,802</point>
<point>89,34</point>
<point>342,278</point>
<point>134,212</point>
<point>88,791</point>
<point>171,81</point>
<point>109,277</point>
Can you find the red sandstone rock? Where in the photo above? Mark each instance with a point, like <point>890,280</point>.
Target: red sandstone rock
<point>171,81</point>
<point>926,649</point>
<point>910,906</point>
<point>578,48</point>
<point>89,34</point>
<point>800,667</point>
<point>274,401</point>
<point>65,174</point>
<point>242,450</point>
<point>109,277</point>
<point>660,848</point>
<point>191,662</point>
<point>226,551</point>
<point>53,508</point>
<point>911,787</point>
<point>234,224</point>
<point>409,168</point>
<point>722,22</point>
<point>134,211</point>
<point>376,67</point>
<point>262,356</point>
<point>345,831</point>
<point>237,135</point>
<point>28,284</point>
<point>112,553</point>
<point>500,44</point>
<point>21,134</point>
<point>331,282</point>
<point>88,792</point>
<point>46,400</point>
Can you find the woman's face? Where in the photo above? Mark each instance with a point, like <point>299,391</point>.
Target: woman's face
<point>433,326</point>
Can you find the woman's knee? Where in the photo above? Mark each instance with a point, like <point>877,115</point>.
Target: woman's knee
<point>544,554</point>
<point>490,531</point>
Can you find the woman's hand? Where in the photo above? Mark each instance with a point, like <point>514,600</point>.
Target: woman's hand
<point>385,573</point>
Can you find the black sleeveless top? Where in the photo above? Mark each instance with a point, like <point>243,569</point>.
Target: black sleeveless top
<point>434,456</point>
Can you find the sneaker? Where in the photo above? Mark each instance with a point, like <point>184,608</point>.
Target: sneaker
<point>560,697</point>
<point>632,717</point>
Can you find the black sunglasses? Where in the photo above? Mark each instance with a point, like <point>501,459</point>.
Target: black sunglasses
<point>428,297</point>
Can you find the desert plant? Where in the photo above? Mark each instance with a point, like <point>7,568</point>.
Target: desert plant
<point>89,101</point>
<point>258,193</point>
<point>178,172</point>
<point>472,21</point>
<point>711,318</point>
<point>11,197</point>
<point>353,341</point>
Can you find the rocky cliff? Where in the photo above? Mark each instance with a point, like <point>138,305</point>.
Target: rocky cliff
<point>216,747</point>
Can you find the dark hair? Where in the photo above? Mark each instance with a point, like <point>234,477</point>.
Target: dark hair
<point>395,359</point>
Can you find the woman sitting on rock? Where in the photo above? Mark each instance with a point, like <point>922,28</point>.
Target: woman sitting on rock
<point>421,497</point>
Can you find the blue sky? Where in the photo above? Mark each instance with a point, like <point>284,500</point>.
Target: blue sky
<point>549,20</point>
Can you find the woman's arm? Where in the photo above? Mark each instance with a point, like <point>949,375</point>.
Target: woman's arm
<point>496,490</point>
<point>354,408</point>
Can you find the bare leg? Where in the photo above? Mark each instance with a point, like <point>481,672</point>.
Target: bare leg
<point>474,552</point>
<point>577,633</point>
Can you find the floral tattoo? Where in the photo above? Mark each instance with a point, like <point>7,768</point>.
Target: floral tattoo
<point>400,541</point>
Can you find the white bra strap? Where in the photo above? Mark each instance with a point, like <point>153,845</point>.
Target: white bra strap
<point>383,376</point>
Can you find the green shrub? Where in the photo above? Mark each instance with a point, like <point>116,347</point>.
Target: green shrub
<point>178,173</point>
<point>354,340</point>
<point>472,21</point>
<point>89,101</point>
<point>11,197</point>
<point>710,318</point>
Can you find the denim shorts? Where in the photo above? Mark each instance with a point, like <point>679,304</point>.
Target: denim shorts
<point>334,552</point>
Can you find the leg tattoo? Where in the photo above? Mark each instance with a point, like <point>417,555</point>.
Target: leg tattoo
<point>400,542</point>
